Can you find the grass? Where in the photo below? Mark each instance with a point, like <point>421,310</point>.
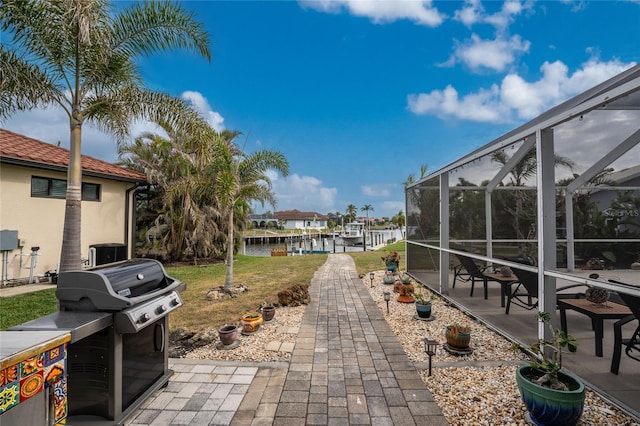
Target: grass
<point>25,307</point>
<point>265,277</point>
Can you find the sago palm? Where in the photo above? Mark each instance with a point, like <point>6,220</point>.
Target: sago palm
<point>79,55</point>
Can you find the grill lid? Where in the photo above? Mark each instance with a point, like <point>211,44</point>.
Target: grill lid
<point>115,286</point>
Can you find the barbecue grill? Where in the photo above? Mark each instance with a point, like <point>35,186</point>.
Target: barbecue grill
<point>117,315</point>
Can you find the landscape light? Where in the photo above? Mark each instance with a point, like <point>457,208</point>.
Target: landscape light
<point>430,346</point>
<point>387,297</point>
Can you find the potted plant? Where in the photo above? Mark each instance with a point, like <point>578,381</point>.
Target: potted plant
<point>268,312</point>
<point>391,261</point>
<point>458,336</point>
<point>552,396</point>
<point>389,278</point>
<point>228,334</point>
<point>423,305</point>
<point>251,322</point>
<point>404,287</point>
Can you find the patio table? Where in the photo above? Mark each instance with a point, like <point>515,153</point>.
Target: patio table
<point>505,284</point>
<point>598,312</point>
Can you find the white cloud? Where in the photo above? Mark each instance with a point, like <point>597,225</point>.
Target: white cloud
<point>419,11</point>
<point>515,97</point>
<point>302,192</point>
<point>470,13</point>
<point>495,55</point>
<point>200,104</point>
<point>394,207</point>
<point>505,16</point>
<point>378,190</point>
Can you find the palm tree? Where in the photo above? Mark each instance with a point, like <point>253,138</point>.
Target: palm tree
<point>239,180</point>
<point>80,56</point>
<point>177,167</point>
<point>399,219</point>
<point>351,213</point>
<point>411,179</point>
<point>367,208</point>
<point>525,169</point>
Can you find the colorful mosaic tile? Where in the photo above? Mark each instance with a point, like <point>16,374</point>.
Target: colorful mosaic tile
<point>53,373</point>
<point>31,365</point>
<point>60,401</point>
<point>31,385</point>
<point>54,355</point>
<point>27,378</point>
<point>9,375</point>
<point>9,396</point>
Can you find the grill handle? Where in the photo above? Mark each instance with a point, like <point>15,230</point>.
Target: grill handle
<point>158,338</point>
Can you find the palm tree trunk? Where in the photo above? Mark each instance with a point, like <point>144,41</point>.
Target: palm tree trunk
<point>228,279</point>
<point>71,254</point>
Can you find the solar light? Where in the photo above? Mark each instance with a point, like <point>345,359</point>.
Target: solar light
<point>371,275</point>
<point>430,346</point>
<point>387,297</point>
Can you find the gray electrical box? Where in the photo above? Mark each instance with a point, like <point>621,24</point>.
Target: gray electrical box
<point>8,240</point>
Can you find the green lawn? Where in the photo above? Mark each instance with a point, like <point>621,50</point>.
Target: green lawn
<point>265,277</point>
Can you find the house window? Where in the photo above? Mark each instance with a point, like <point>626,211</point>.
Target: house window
<point>57,188</point>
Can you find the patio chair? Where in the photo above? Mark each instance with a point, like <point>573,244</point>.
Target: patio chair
<point>523,291</point>
<point>632,345</point>
<point>469,268</point>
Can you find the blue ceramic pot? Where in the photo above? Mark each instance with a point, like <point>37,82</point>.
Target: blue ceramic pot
<point>424,311</point>
<point>550,407</point>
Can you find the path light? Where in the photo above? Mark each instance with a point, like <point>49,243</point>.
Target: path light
<point>430,346</point>
<point>371,275</point>
<point>387,297</point>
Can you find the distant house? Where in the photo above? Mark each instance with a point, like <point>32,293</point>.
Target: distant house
<point>295,219</point>
<point>33,182</point>
<point>629,177</point>
<point>262,221</point>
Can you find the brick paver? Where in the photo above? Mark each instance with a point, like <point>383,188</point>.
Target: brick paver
<point>347,368</point>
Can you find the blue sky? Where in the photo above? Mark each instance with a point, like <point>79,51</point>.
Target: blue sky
<point>359,94</point>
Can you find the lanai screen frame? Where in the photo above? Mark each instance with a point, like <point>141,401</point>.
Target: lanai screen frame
<point>621,92</point>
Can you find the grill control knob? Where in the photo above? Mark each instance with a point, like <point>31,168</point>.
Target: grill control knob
<point>175,301</point>
<point>161,309</point>
<point>145,317</point>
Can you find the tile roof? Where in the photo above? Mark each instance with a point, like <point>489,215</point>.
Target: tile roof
<point>298,215</point>
<point>22,149</point>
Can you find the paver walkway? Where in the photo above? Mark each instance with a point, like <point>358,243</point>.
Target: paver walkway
<point>347,368</point>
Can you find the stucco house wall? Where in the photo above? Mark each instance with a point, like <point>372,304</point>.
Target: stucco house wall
<point>295,219</point>
<point>39,221</point>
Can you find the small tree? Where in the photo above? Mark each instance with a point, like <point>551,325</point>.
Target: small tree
<point>551,352</point>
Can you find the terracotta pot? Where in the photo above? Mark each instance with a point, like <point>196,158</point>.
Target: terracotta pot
<point>228,334</point>
<point>459,340</point>
<point>268,312</point>
<point>251,322</point>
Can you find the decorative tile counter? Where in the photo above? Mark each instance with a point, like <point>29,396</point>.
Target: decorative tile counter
<point>32,362</point>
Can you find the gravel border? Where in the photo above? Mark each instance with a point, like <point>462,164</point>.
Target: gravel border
<point>478,389</point>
